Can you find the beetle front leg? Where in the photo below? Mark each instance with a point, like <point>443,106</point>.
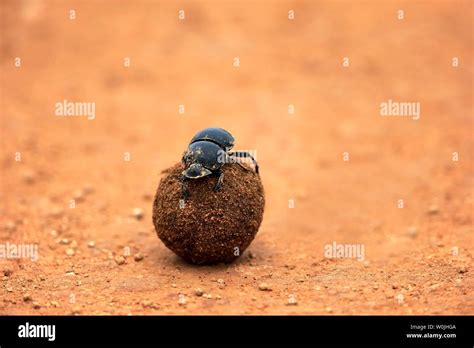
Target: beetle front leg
<point>244,154</point>
<point>220,180</point>
<point>184,187</point>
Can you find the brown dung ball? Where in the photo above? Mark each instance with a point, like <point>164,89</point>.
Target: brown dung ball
<point>210,227</point>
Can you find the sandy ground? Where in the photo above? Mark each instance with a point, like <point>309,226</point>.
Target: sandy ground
<point>417,259</point>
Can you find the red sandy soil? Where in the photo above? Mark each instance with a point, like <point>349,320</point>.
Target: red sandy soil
<point>411,265</point>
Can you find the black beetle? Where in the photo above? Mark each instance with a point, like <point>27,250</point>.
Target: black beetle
<point>207,152</point>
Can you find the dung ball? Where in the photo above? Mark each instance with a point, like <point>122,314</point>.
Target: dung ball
<point>209,227</point>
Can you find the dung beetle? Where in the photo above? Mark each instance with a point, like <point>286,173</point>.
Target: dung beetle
<point>207,152</point>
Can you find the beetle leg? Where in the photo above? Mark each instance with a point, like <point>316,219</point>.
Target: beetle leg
<point>182,157</point>
<point>184,187</point>
<point>246,168</point>
<point>220,180</point>
<point>246,155</point>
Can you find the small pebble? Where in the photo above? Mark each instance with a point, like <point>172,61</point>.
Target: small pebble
<point>70,252</point>
<point>28,177</point>
<point>433,209</point>
<point>198,292</point>
<point>292,300</point>
<point>7,272</point>
<point>87,189</point>
<point>182,300</point>
<point>54,303</point>
<point>137,213</point>
<point>36,305</point>
<point>120,260</point>
<point>27,298</point>
<point>64,241</point>
<point>10,226</point>
<point>138,257</point>
<point>78,195</point>
<point>91,244</point>
<point>412,232</point>
<point>328,309</point>
<point>264,287</point>
<point>146,303</point>
<point>56,212</point>
<point>147,196</point>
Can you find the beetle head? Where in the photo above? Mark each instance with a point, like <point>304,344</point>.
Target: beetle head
<point>196,171</point>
